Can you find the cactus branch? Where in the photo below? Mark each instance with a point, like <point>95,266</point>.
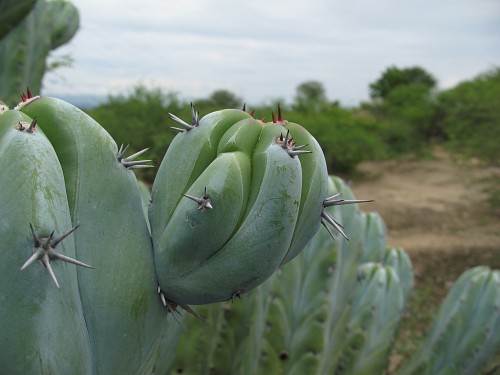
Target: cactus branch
<point>44,251</point>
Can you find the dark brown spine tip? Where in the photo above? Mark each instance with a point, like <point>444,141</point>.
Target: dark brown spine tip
<point>274,118</point>
<point>280,115</point>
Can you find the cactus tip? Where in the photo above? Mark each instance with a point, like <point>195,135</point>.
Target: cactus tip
<point>288,144</point>
<point>26,99</point>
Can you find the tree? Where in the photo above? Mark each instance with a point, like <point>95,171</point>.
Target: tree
<point>470,116</point>
<point>394,77</point>
<point>310,95</point>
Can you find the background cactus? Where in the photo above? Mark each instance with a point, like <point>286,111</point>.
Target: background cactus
<point>25,45</point>
<point>12,12</point>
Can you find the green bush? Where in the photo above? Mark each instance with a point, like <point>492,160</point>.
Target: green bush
<point>470,114</point>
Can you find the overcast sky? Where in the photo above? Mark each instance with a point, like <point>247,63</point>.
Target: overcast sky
<point>262,49</point>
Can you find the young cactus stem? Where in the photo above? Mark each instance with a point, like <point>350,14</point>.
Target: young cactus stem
<point>185,127</point>
<point>203,202</point>
<point>44,251</point>
<point>129,162</point>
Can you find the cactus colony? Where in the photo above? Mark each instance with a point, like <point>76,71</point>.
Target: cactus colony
<point>92,282</point>
<point>95,269</point>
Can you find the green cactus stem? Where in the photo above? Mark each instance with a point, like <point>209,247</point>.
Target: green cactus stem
<point>113,237</point>
<point>43,328</point>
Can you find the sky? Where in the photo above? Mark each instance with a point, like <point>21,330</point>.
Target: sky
<point>262,50</point>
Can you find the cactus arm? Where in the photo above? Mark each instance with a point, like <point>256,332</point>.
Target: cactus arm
<point>123,285</point>
<point>24,51</point>
<point>257,248</point>
<point>43,327</point>
<point>399,260</point>
<point>375,238</point>
<point>465,334</point>
<point>12,12</point>
<point>375,313</point>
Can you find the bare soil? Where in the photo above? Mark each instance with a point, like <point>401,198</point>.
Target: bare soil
<point>431,206</point>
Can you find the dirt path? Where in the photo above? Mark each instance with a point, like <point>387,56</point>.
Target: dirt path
<point>430,206</point>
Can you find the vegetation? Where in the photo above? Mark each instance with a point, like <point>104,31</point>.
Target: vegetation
<point>406,116</point>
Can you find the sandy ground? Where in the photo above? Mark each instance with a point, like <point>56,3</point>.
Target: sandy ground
<point>433,205</point>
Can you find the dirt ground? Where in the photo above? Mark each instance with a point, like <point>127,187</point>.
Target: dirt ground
<point>433,207</point>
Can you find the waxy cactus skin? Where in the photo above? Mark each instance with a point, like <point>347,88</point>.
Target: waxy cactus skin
<point>100,189</point>
<point>43,326</point>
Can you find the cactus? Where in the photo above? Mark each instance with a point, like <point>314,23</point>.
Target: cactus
<point>79,253</point>
<point>256,204</point>
<point>474,303</point>
<point>12,12</point>
<point>118,298</point>
<point>25,48</point>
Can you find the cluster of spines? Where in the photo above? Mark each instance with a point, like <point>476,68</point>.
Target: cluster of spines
<point>44,251</point>
<point>203,202</point>
<point>28,128</point>
<point>130,162</point>
<point>288,144</point>
<point>26,98</point>
<point>326,218</point>
<point>185,127</point>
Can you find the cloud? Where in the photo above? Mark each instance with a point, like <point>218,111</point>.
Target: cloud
<point>264,49</point>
